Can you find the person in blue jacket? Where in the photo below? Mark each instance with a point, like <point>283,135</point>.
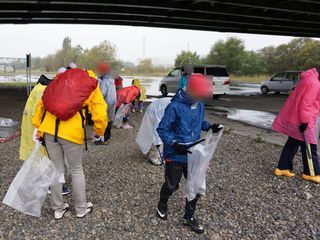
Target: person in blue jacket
<point>180,126</point>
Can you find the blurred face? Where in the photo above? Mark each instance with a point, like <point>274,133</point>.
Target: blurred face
<point>196,97</point>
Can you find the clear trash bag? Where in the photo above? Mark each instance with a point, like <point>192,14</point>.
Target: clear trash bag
<point>29,188</point>
<point>122,111</point>
<point>198,164</point>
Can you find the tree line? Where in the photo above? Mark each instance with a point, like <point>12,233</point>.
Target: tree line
<point>298,54</point>
<point>89,58</point>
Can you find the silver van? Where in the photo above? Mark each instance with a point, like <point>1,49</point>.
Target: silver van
<point>281,82</point>
<point>218,74</point>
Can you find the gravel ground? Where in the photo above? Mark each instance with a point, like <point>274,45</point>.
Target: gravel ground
<point>244,199</point>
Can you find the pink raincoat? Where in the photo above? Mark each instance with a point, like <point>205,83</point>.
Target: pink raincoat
<point>302,106</point>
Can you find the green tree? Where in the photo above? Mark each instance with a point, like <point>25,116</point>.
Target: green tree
<point>187,57</point>
<point>229,53</point>
<point>66,43</point>
<point>145,66</point>
<point>105,51</point>
<point>252,64</point>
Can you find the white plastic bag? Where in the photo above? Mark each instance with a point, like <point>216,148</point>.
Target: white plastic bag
<point>29,188</point>
<point>198,164</point>
<point>122,111</point>
<point>147,134</point>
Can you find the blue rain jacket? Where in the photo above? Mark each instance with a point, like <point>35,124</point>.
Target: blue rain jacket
<point>182,122</point>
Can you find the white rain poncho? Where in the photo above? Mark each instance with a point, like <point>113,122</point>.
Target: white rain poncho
<point>29,188</point>
<point>147,134</point>
<point>198,164</point>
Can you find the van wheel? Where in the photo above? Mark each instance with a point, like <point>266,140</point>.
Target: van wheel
<point>216,96</point>
<point>164,90</point>
<point>264,90</point>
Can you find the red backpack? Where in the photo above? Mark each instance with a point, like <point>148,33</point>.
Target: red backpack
<point>65,95</point>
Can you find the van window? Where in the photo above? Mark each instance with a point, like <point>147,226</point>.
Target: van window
<point>279,77</point>
<point>217,72</point>
<point>293,76</point>
<point>198,70</point>
<point>174,73</point>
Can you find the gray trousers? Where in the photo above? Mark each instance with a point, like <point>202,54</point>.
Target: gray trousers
<point>74,153</point>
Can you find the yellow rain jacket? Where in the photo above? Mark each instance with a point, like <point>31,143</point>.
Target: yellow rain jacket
<point>27,144</point>
<point>143,95</point>
<point>71,129</point>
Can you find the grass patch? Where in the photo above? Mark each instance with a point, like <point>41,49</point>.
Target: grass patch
<point>249,79</point>
<point>259,140</point>
<point>15,84</point>
<point>227,130</point>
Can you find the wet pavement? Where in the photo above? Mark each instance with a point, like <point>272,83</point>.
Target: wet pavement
<point>244,103</point>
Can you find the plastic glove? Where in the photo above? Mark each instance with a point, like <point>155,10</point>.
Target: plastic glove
<point>181,149</point>
<point>35,135</point>
<point>216,127</point>
<point>303,127</point>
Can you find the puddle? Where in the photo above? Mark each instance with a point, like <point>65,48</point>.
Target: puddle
<point>151,83</point>
<point>245,89</point>
<point>255,118</point>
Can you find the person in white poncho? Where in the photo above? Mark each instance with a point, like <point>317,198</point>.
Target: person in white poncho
<point>148,138</point>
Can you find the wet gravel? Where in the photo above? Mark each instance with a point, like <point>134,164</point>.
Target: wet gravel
<point>244,199</point>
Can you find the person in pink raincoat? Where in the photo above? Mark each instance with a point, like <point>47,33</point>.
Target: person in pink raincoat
<point>298,120</point>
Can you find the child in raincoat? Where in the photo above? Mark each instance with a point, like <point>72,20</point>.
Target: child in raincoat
<point>109,93</point>
<point>27,144</point>
<point>181,125</point>
<point>143,96</point>
<point>126,96</point>
<point>298,120</point>
<point>148,138</point>
<point>118,82</point>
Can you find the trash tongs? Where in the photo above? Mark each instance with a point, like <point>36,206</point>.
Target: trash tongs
<point>163,158</point>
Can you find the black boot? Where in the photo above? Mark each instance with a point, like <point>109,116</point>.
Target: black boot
<point>193,224</point>
<point>162,211</point>
<point>188,219</point>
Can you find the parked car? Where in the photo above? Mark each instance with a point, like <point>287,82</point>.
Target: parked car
<point>281,82</point>
<point>218,74</point>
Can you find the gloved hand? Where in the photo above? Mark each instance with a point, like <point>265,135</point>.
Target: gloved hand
<point>35,135</point>
<point>181,149</point>
<point>216,127</point>
<point>303,127</point>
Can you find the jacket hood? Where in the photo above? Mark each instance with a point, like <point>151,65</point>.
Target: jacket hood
<point>182,96</point>
<point>310,74</point>
<point>43,80</point>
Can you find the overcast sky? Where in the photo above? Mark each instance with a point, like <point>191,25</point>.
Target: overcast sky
<point>162,45</point>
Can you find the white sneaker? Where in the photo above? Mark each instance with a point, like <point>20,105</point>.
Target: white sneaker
<point>155,161</point>
<point>88,210</point>
<point>133,110</point>
<point>127,126</point>
<point>58,214</point>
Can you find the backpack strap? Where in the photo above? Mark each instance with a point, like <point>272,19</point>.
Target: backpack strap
<point>44,115</point>
<point>83,119</point>
<point>56,129</point>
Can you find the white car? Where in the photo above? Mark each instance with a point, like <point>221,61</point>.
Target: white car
<point>281,82</point>
<point>218,74</point>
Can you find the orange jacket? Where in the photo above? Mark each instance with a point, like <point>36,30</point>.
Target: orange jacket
<point>127,95</point>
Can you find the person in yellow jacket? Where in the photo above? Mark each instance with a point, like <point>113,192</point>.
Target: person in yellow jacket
<point>143,95</point>
<point>27,128</point>
<point>27,144</point>
<point>70,139</point>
